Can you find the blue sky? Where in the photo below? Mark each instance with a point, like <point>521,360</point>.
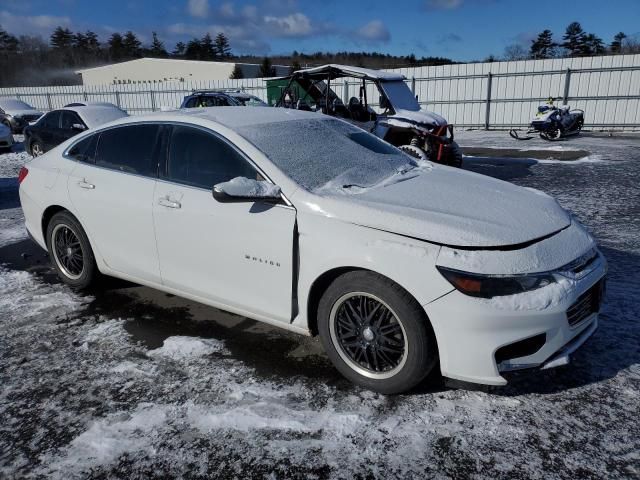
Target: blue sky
<point>459,29</point>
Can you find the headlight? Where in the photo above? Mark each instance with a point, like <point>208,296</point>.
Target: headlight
<point>488,286</point>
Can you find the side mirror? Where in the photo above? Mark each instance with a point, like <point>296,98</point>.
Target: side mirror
<point>242,189</point>
<point>79,127</point>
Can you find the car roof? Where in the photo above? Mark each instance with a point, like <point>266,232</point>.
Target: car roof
<point>231,117</point>
<point>94,115</point>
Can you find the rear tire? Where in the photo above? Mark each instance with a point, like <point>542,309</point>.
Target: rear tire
<point>70,251</point>
<point>375,333</point>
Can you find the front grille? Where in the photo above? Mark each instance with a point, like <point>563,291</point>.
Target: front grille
<point>586,304</point>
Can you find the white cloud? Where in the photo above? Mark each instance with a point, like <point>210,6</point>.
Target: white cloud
<point>32,25</point>
<point>444,4</point>
<point>198,8</point>
<point>294,25</point>
<point>374,31</point>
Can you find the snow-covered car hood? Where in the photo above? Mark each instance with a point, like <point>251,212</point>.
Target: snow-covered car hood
<point>422,116</point>
<point>452,207</point>
<point>24,113</point>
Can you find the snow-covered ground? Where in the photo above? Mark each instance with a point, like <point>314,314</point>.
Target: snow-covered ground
<point>127,382</point>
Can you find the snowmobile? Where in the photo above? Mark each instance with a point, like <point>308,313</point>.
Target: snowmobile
<point>402,122</point>
<point>553,123</point>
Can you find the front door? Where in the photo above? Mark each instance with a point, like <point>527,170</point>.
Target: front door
<point>234,254</point>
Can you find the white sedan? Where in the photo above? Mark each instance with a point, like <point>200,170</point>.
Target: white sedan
<point>303,221</point>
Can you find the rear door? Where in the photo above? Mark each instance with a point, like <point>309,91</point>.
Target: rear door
<point>112,193</point>
<point>234,254</point>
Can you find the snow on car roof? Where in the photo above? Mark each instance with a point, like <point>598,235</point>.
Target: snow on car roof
<point>338,71</point>
<point>234,117</point>
<point>14,104</point>
<point>95,115</point>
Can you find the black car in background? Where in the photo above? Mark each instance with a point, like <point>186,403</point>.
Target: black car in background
<point>59,125</point>
<point>205,98</point>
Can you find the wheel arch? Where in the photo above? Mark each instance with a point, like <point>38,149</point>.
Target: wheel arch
<point>322,282</point>
<point>48,214</point>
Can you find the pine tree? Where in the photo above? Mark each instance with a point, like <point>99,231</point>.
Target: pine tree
<point>131,44</point>
<point>295,66</point>
<point>616,45</point>
<point>266,68</point>
<point>80,42</point>
<point>8,42</point>
<point>593,45</point>
<point>61,39</point>
<point>543,46</point>
<point>116,47</point>
<point>157,47</point>
<point>179,50</point>
<point>93,44</point>
<point>237,72</point>
<point>223,49</point>
<point>193,50</point>
<point>574,39</point>
<point>207,48</point>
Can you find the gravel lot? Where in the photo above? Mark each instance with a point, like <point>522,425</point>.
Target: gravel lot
<point>128,382</point>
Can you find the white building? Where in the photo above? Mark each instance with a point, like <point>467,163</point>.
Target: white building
<point>159,70</point>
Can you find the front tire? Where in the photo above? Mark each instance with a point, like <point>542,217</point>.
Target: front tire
<point>70,251</point>
<point>375,333</point>
<point>36,149</point>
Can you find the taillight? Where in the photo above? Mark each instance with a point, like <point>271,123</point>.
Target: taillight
<point>23,174</point>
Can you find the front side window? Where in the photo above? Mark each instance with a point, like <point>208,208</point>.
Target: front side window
<point>51,120</point>
<point>69,119</point>
<point>201,159</point>
<point>130,149</point>
<point>84,150</point>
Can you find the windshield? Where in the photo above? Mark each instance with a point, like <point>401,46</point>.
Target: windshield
<point>11,104</point>
<point>400,95</point>
<point>326,152</point>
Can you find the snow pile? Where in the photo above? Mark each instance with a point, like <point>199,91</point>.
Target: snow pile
<point>246,187</point>
<point>12,227</point>
<point>109,438</point>
<point>11,163</point>
<point>185,348</point>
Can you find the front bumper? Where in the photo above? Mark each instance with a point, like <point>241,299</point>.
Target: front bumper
<point>472,332</point>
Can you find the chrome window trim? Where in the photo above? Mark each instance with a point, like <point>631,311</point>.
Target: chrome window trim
<point>65,153</point>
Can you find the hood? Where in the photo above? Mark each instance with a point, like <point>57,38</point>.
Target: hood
<point>24,113</point>
<point>421,117</point>
<point>452,207</point>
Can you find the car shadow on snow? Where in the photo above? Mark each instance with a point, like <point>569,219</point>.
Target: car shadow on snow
<point>153,316</point>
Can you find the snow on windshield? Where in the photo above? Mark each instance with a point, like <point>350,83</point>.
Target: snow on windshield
<point>314,152</point>
<point>400,96</point>
<point>11,104</point>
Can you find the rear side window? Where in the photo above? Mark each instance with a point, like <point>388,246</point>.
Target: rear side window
<point>84,150</point>
<point>203,160</point>
<point>130,149</point>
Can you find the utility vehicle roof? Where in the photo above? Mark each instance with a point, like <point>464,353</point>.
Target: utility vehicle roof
<point>340,71</point>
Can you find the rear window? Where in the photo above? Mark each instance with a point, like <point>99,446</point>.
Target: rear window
<point>325,152</point>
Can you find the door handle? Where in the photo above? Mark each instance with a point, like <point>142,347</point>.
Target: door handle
<point>84,184</point>
<point>165,202</point>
